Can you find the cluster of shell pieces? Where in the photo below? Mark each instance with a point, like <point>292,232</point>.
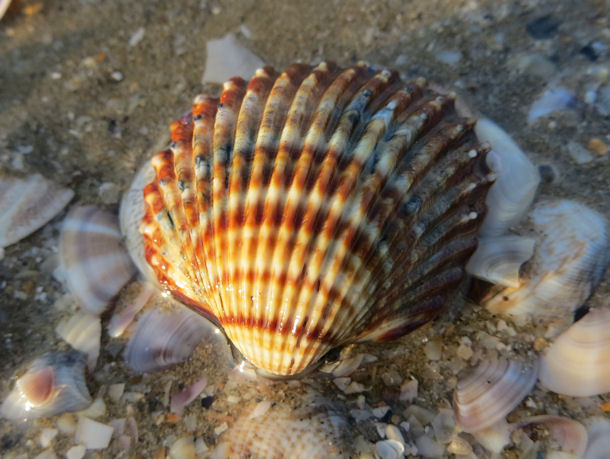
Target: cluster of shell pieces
<point>311,209</point>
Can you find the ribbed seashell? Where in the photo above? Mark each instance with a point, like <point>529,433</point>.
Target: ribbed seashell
<point>487,393</point>
<point>53,384</point>
<point>578,361</point>
<point>569,260</point>
<point>163,338</point>
<point>516,182</point>
<point>27,204</point>
<point>92,257</point>
<point>316,208</point>
<point>83,332</point>
<point>315,430</point>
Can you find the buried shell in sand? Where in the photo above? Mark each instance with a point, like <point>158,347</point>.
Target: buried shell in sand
<point>315,208</point>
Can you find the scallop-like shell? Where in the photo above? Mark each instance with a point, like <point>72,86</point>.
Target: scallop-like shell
<point>578,362</point>
<point>487,393</point>
<point>92,257</point>
<point>316,430</point>
<point>569,260</point>
<point>53,384</point>
<point>27,204</point>
<point>316,208</point>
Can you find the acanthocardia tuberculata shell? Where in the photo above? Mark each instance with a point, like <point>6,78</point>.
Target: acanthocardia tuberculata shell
<point>314,208</point>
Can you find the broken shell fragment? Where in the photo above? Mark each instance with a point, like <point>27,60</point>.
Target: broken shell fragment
<point>516,183</point>
<point>315,208</point>
<point>83,332</point>
<point>598,443</point>
<point>53,384</point>
<point>569,260</point>
<point>570,435</point>
<point>27,204</point>
<point>92,257</point>
<point>578,361</point>
<point>163,338</point>
<point>487,393</point>
<point>498,259</point>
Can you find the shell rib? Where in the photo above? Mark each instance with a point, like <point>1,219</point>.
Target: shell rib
<point>316,208</point>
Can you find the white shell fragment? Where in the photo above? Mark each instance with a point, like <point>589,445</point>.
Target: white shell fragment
<point>517,180</point>
<point>578,362</point>
<point>487,393</point>
<point>314,430</point>
<point>498,259</point>
<point>92,257</point>
<point>226,58</point>
<point>187,395</point>
<point>598,443</point>
<point>93,434</point>
<point>53,384</point>
<point>27,204</point>
<point>121,319</point>
<point>551,100</point>
<point>163,338</point>
<point>83,332</point>
<point>570,435</point>
<point>568,262</point>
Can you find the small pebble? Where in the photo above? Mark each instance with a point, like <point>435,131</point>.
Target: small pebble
<point>137,36</point>
<point>221,428</point>
<point>597,146</point>
<point>433,349</point>
<point>115,391</point>
<point>76,452</point>
<point>578,153</point>
<point>46,436</point>
<point>109,193</point>
<point>464,352</point>
<point>66,423</point>
<point>183,448</point>
<point>408,390</point>
<point>543,27</point>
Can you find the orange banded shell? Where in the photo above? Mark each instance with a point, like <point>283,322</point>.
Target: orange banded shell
<point>321,206</point>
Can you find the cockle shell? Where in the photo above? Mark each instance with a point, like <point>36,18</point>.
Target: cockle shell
<point>92,258</point>
<point>488,392</point>
<point>315,208</point>
<point>578,362</point>
<point>53,384</point>
<point>315,430</point>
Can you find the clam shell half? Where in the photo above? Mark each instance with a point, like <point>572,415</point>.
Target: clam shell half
<point>315,208</point>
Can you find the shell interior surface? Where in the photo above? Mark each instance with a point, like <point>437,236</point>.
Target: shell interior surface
<point>569,260</point>
<point>53,384</point>
<point>92,257</point>
<point>314,208</point>
<point>578,362</point>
